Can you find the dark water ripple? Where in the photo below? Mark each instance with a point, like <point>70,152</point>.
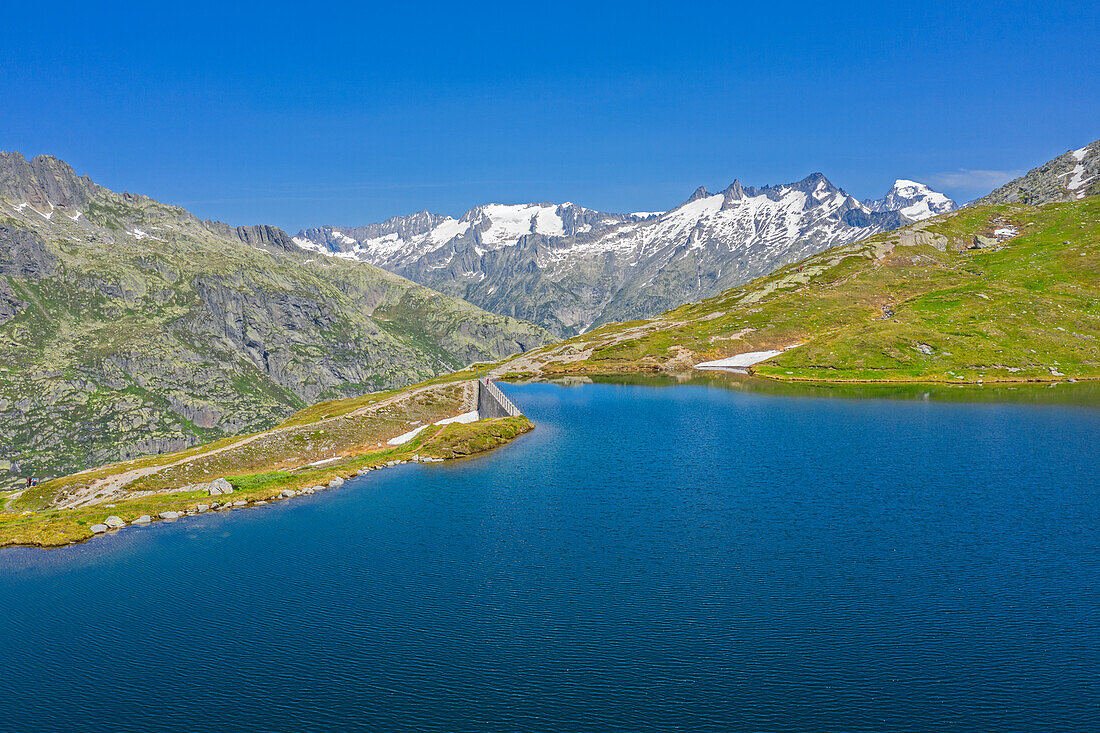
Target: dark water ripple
<point>648,559</point>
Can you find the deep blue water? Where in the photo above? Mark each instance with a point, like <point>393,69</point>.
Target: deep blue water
<point>683,558</point>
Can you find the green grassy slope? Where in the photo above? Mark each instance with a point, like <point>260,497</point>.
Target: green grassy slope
<point>130,327</point>
<point>916,304</point>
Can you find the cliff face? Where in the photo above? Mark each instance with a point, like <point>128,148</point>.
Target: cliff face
<point>128,326</point>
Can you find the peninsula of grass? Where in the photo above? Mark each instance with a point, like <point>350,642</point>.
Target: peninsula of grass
<point>309,450</point>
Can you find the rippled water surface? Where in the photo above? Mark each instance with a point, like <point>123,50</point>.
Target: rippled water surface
<point>685,558</point>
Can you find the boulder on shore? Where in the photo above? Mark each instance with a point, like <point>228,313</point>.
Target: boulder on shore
<point>114,522</point>
<point>143,519</point>
<point>169,515</point>
<point>336,482</point>
<point>99,528</point>
<point>219,486</point>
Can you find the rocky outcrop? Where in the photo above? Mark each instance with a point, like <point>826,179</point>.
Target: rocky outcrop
<point>218,487</point>
<point>44,183</point>
<point>264,235</point>
<point>10,305</point>
<point>24,254</point>
<point>1069,177</point>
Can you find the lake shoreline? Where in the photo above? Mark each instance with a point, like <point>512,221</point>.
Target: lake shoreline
<point>76,524</point>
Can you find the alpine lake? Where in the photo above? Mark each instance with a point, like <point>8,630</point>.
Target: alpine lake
<point>710,554</point>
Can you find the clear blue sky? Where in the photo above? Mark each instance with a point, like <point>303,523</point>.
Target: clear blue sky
<point>311,114</point>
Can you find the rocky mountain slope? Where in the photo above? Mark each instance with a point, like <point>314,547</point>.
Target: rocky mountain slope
<point>129,327</point>
<point>1069,177</point>
<point>569,268</point>
<point>990,293</point>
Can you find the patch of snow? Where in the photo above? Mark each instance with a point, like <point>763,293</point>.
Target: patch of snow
<point>326,460</point>
<point>138,234</point>
<point>75,216</point>
<point>746,359</point>
<point>406,437</point>
<point>1077,180</point>
<point>509,222</point>
<point>466,417</point>
<point>343,238</point>
<point>549,222</point>
<point>448,230</point>
<point>309,244</point>
<point>917,212</point>
<point>738,362</point>
<point>1005,232</point>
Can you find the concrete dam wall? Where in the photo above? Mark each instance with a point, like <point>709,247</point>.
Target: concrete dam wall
<point>491,402</point>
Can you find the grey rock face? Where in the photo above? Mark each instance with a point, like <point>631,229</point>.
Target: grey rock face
<point>10,305</point>
<point>265,236</point>
<point>23,254</point>
<point>219,486</point>
<point>44,183</point>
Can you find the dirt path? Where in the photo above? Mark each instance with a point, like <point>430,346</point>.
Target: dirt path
<point>112,485</point>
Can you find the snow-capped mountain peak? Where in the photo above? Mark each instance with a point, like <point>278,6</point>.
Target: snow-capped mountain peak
<point>567,267</point>
<point>915,201</point>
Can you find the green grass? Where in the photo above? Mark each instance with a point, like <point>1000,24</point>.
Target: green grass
<point>123,342</point>
<point>1022,312</point>
<point>49,528</point>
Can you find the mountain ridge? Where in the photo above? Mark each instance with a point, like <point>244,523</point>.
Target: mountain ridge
<point>1070,177</point>
<point>568,268</point>
<point>128,326</point>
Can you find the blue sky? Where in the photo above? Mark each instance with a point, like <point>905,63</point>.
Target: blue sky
<point>310,114</point>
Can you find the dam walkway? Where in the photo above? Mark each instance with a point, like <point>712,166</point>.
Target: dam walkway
<point>492,402</point>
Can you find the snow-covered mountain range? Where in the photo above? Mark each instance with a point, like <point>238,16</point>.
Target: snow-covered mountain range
<point>568,268</point>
